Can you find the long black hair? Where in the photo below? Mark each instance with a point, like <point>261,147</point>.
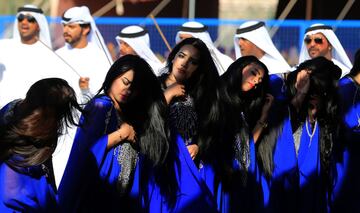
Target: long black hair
<point>323,83</point>
<point>202,86</point>
<point>239,108</point>
<point>238,101</point>
<point>146,108</point>
<point>29,136</point>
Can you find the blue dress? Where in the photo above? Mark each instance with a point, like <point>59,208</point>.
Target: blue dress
<point>346,193</point>
<point>295,184</point>
<point>241,191</point>
<point>279,191</point>
<point>237,197</point>
<point>90,181</point>
<point>312,198</point>
<point>192,177</point>
<point>28,189</point>
<point>194,194</point>
<point>277,87</point>
<point>242,197</point>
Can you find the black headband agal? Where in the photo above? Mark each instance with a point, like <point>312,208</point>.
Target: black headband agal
<point>29,9</point>
<point>133,35</point>
<point>320,27</point>
<point>64,18</point>
<point>193,30</point>
<point>250,28</point>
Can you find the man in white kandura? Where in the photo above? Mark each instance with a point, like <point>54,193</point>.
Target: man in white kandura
<point>28,56</point>
<point>85,50</point>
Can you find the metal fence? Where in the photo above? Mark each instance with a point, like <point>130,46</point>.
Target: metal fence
<point>287,35</point>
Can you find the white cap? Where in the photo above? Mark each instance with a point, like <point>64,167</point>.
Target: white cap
<point>257,33</point>
<point>338,53</point>
<point>138,39</point>
<point>37,13</point>
<point>198,30</point>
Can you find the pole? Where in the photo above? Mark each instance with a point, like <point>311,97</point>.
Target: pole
<point>160,32</point>
<point>191,9</point>
<point>282,16</point>
<point>308,10</point>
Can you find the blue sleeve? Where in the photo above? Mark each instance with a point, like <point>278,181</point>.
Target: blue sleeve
<point>193,194</point>
<point>277,87</point>
<point>24,193</point>
<point>279,191</point>
<point>346,192</point>
<point>86,155</point>
<point>5,111</point>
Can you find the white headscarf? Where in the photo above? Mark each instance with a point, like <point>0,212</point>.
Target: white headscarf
<point>81,15</point>
<point>198,30</point>
<point>339,56</point>
<point>256,32</point>
<point>37,13</point>
<point>138,39</point>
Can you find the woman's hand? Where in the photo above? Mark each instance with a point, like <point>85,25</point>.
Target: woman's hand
<point>125,132</point>
<point>193,150</point>
<point>302,86</point>
<point>174,90</point>
<point>269,99</point>
<point>84,83</point>
<point>302,83</point>
<point>262,122</point>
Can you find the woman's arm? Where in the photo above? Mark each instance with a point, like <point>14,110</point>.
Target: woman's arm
<point>302,86</point>
<point>262,122</point>
<point>174,90</point>
<point>125,132</point>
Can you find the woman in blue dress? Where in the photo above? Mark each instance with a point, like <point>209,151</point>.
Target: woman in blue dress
<point>314,110</point>
<point>245,107</point>
<point>347,188</point>
<point>29,130</point>
<point>118,160</point>
<point>190,85</point>
<point>296,156</point>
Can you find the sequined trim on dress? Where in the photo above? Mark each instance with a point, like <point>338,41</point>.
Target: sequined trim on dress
<point>184,119</point>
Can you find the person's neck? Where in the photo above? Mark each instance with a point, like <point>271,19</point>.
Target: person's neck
<point>115,103</point>
<point>312,119</point>
<point>259,54</point>
<point>170,80</point>
<point>328,56</point>
<point>82,43</point>
<point>29,41</point>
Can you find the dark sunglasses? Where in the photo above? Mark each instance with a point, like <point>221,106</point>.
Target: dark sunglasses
<point>29,18</point>
<point>308,40</point>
